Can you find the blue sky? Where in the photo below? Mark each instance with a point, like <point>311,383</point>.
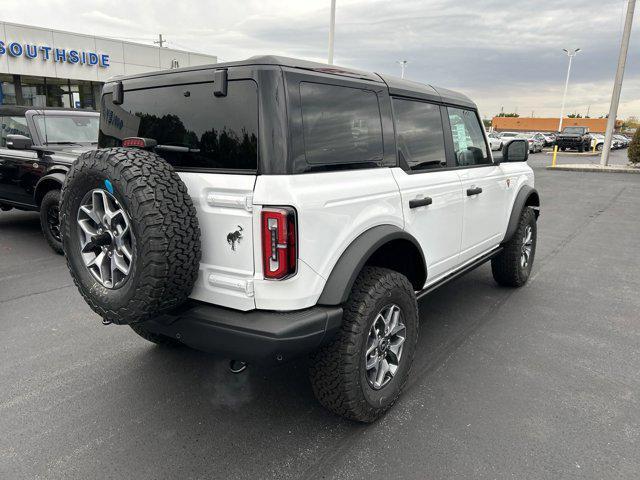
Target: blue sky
<point>500,52</point>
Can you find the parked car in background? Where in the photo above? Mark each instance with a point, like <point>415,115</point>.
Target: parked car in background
<point>495,142</point>
<point>622,141</point>
<point>597,141</point>
<point>508,135</point>
<point>37,147</point>
<point>546,141</point>
<point>577,138</point>
<point>535,144</point>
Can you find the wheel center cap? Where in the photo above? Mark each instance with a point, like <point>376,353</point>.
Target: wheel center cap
<point>384,345</point>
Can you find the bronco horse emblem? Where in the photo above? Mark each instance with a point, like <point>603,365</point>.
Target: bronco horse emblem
<point>235,237</point>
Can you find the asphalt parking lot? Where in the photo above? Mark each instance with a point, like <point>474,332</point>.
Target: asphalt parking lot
<point>540,382</point>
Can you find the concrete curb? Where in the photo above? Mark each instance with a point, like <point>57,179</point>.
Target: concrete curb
<point>595,168</point>
<point>574,154</point>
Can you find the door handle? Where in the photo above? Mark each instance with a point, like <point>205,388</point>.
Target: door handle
<point>473,191</point>
<point>420,202</point>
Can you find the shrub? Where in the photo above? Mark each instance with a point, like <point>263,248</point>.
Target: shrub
<point>634,148</point>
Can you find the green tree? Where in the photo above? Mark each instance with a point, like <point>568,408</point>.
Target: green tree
<point>507,115</point>
<point>634,148</point>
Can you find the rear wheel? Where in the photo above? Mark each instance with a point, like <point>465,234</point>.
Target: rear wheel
<point>360,374</point>
<point>50,219</point>
<point>512,266</point>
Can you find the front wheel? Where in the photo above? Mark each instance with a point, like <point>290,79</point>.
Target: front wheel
<point>360,374</point>
<point>512,266</point>
<point>50,220</point>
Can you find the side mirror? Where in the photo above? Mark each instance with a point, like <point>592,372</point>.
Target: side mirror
<point>517,150</point>
<point>19,142</point>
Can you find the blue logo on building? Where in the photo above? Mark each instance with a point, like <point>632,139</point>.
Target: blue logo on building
<point>50,54</point>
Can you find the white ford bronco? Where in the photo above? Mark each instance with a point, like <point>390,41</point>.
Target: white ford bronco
<point>273,208</point>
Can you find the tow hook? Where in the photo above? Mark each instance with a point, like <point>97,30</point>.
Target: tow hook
<point>237,366</point>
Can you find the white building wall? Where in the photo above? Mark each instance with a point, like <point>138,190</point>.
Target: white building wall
<point>124,57</point>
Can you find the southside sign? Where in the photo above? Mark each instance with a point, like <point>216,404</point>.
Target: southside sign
<point>50,54</point>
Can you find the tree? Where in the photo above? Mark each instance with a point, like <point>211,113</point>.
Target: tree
<point>574,115</point>
<point>502,114</point>
<point>634,148</point>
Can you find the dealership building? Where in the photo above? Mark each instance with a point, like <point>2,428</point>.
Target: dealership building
<point>42,67</point>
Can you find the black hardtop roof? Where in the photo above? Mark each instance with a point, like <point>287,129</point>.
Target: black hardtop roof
<point>18,110</point>
<point>397,86</point>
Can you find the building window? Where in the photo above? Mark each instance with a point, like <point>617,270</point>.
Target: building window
<point>33,91</point>
<point>58,92</point>
<point>7,90</point>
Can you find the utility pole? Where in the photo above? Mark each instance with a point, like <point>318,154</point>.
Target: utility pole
<point>403,65</point>
<point>570,54</point>
<point>332,31</point>
<point>160,42</point>
<point>617,85</point>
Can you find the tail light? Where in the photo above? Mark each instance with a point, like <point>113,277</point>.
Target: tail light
<point>279,238</point>
<point>139,142</point>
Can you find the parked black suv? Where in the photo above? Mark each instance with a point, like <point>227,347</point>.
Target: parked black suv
<point>574,137</point>
<point>37,146</point>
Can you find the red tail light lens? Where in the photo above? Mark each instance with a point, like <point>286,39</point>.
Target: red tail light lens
<point>138,142</point>
<point>279,252</point>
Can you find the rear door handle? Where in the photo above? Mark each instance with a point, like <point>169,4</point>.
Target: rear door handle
<point>420,202</point>
<point>473,191</point>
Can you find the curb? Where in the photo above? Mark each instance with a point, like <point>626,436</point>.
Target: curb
<point>594,168</point>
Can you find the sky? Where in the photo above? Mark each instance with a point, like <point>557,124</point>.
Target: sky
<point>502,53</point>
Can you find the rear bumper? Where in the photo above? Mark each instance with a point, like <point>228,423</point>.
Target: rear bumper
<point>257,335</point>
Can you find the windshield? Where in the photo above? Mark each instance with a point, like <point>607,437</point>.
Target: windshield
<point>67,129</point>
<point>578,130</point>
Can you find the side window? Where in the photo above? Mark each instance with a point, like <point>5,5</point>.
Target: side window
<point>193,128</point>
<point>12,126</point>
<point>419,134</point>
<point>341,125</point>
<point>468,138</point>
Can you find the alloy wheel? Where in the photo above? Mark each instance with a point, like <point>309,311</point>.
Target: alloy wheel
<point>106,239</point>
<point>384,346</point>
<point>53,222</point>
<point>527,247</point>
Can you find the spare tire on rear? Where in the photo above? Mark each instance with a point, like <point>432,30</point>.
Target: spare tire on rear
<point>130,234</point>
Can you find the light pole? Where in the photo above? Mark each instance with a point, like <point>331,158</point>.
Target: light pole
<point>403,65</point>
<point>570,54</point>
<point>617,85</point>
<point>332,31</point>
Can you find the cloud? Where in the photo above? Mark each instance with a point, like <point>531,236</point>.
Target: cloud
<point>500,52</point>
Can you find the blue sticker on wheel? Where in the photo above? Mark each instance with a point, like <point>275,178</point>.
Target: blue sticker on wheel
<point>109,186</point>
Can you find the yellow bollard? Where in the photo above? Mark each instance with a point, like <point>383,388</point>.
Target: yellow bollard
<point>555,154</point>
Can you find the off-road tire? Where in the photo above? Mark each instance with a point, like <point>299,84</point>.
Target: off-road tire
<point>156,338</point>
<point>581,148</point>
<point>50,200</point>
<point>506,267</point>
<point>337,370</point>
<point>163,221</point>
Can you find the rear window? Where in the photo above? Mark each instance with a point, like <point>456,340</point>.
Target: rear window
<point>193,128</point>
<point>341,125</point>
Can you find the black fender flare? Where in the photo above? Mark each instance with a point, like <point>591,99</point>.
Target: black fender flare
<point>353,259</point>
<point>527,196</point>
<point>45,182</point>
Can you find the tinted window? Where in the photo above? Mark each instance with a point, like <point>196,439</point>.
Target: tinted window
<point>468,138</point>
<point>12,126</point>
<point>419,134</point>
<point>193,128</point>
<point>340,124</point>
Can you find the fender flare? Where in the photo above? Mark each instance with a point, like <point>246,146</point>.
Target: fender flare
<point>353,259</point>
<point>56,177</point>
<point>527,196</point>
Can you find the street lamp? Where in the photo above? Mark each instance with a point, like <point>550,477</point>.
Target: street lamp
<point>403,65</point>
<point>332,31</point>
<point>570,54</point>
